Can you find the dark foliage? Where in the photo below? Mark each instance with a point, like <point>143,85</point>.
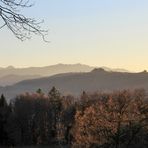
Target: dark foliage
<point>103,120</point>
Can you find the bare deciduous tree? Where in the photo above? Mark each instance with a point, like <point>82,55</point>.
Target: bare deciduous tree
<point>21,26</point>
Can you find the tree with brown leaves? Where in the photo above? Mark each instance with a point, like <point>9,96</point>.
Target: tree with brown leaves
<point>119,121</point>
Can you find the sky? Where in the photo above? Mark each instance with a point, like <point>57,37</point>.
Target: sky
<point>111,33</point>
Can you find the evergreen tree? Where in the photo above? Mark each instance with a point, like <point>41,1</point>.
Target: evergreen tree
<point>56,107</point>
<point>3,102</point>
<point>4,110</point>
<point>39,91</point>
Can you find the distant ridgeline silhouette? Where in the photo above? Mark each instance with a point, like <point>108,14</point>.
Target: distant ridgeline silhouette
<point>98,70</point>
<point>74,83</point>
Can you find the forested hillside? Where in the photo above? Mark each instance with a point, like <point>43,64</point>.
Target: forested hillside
<point>104,120</point>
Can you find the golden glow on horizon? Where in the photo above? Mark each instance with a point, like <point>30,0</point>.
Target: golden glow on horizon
<point>107,35</point>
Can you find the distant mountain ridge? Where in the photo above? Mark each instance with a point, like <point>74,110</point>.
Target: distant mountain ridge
<point>53,69</point>
<point>45,71</point>
<point>12,79</point>
<point>11,75</point>
<point>75,83</point>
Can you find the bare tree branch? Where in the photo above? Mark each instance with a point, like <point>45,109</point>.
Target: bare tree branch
<point>22,27</point>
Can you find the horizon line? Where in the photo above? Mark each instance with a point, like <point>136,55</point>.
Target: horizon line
<point>93,66</point>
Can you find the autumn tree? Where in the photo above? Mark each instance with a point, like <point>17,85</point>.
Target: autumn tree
<point>117,121</point>
<point>107,120</point>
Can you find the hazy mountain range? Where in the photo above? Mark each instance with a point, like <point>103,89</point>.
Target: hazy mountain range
<point>45,71</point>
<point>75,83</point>
<point>12,79</point>
<point>11,75</point>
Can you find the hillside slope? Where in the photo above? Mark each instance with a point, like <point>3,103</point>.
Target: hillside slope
<point>75,83</point>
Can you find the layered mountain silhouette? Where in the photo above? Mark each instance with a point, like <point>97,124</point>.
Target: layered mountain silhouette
<point>45,71</point>
<point>75,83</point>
<point>11,75</point>
<point>12,79</point>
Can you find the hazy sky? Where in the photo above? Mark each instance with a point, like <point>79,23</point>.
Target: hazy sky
<point>110,33</point>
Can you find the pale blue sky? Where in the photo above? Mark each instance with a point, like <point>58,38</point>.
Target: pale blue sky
<point>110,33</point>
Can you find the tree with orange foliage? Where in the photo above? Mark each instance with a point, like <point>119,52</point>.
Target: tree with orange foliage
<point>116,121</point>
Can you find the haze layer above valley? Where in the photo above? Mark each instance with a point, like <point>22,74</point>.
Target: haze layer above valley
<point>11,75</point>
